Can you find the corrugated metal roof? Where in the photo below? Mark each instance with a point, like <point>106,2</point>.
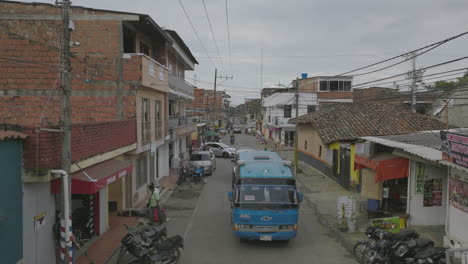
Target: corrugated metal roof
<point>424,152</point>
<point>11,135</point>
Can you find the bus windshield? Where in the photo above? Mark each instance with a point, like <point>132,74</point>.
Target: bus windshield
<point>266,197</point>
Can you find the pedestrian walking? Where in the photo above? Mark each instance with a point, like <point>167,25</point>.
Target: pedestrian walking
<point>153,201</point>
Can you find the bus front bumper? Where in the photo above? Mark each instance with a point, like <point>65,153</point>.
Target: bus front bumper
<point>266,236</point>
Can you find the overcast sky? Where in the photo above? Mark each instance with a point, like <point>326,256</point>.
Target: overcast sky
<point>318,37</point>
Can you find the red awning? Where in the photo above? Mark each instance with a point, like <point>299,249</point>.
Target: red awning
<point>100,175</point>
<point>385,168</point>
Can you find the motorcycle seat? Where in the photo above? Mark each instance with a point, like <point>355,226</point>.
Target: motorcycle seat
<point>420,243</point>
<point>429,252</point>
<point>151,232</point>
<point>169,243</point>
<point>407,233</point>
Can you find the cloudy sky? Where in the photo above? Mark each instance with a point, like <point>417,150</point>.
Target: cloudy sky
<point>318,37</point>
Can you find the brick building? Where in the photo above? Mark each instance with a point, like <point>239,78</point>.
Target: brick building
<point>206,106</point>
<point>127,73</point>
<point>383,95</point>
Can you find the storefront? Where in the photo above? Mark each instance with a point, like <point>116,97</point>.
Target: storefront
<point>455,155</point>
<point>97,191</point>
<point>384,181</point>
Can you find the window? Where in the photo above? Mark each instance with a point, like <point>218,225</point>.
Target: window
<point>310,108</point>
<point>172,108</point>
<point>145,121</point>
<point>333,86</point>
<point>269,119</point>
<point>287,111</point>
<point>142,176</point>
<point>320,151</point>
<point>144,48</point>
<point>305,144</point>
<point>157,120</point>
<point>324,86</point>
<point>347,86</point>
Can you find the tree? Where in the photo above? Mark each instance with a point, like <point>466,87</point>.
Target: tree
<point>447,87</point>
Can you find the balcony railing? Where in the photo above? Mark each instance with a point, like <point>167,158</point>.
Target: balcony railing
<point>179,121</point>
<point>158,129</point>
<point>140,68</point>
<point>180,84</point>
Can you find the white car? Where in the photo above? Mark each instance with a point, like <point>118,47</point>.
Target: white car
<point>221,149</point>
<point>203,159</point>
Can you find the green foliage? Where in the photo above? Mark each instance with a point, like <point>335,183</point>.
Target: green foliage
<point>450,86</point>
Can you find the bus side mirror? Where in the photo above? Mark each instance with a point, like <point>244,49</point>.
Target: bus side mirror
<point>300,196</point>
<point>229,194</point>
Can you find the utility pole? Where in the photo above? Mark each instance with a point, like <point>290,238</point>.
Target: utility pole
<point>66,112</point>
<point>216,77</point>
<point>413,75</point>
<point>296,133</point>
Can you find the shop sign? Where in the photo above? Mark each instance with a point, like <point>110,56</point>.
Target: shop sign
<point>39,221</point>
<point>183,130</point>
<point>458,194</point>
<point>454,148</point>
<point>391,224</point>
<point>432,192</point>
<point>419,177</point>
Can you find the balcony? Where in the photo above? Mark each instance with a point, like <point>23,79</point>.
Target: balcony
<point>180,85</point>
<point>179,121</point>
<point>144,70</point>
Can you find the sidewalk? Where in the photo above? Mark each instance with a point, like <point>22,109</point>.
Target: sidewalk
<point>105,245</point>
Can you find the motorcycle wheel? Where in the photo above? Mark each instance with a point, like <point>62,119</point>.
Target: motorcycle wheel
<point>359,250</point>
<point>174,258</point>
<point>179,180</point>
<point>369,257</point>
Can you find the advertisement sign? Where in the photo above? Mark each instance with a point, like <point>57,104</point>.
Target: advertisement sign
<point>391,224</point>
<point>419,177</point>
<point>454,148</point>
<point>458,194</point>
<point>39,221</point>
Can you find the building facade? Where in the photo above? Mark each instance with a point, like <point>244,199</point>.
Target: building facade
<point>124,85</point>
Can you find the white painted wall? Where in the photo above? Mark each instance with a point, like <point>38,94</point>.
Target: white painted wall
<point>103,210</point>
<point>420,215</point>
<point>273,106</point>
<point>457,219</point>
<point>38,246</point>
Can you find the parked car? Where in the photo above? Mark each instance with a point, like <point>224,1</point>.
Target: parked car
<point>237,130</point>
<point>221,149</point>
<point>205,159</point>
<point>222,131</point>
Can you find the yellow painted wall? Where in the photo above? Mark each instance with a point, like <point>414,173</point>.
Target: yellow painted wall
<point>354,173</point>
<point>194,135</point>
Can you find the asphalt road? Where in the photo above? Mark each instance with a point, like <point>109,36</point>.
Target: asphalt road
<point>205,225</point>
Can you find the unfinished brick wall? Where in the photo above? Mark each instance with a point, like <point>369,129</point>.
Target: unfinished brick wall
<point>43,149</point>
<point>31,49</point>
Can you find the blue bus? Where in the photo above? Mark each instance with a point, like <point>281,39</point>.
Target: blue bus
<point>264,200</point>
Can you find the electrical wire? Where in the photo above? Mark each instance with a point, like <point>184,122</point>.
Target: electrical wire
<point>196,33</point>
<point>228,34</point>
<point>212,33</point>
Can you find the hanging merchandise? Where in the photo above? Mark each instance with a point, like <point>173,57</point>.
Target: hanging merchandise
<point>428,188</point>
<point>437,192</point>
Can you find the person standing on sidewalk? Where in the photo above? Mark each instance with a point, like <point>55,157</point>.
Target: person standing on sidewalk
<point>153,201</point>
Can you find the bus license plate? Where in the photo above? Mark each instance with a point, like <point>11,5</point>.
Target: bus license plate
<point>265,238</point>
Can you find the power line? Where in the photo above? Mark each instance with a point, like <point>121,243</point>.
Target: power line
<point>401,74</point>
<point>405,54</point>
<point>229,34</point>
<point>212,34</point>
<point>196,33</point>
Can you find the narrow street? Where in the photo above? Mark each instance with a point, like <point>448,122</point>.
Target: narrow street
<point>205,226</point>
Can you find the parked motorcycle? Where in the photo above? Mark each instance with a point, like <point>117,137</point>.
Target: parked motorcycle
<point>138,247</point>
<point>182,173</point>
<point>384,248</point>
<point>373,234</point>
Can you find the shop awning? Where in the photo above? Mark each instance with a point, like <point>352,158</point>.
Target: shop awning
<point>387,167</point>
<point>92,179</point>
